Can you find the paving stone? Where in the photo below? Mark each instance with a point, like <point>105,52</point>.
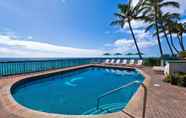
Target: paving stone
<point>164,101</point>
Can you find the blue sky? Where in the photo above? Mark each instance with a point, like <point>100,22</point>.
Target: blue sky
<point>60,28</point>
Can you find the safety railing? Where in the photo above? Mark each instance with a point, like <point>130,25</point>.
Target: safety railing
<point>21,67</point>
<point>122,87</point>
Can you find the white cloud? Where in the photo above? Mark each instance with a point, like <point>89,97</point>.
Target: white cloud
<point>135,25</point>
<point>124,45</point>
<point>182,9</point>
<point>182,20</point>
<point>144,39</point>
<point>13,47</point>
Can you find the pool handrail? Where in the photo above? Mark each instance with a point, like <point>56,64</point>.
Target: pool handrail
<point>124,86</point>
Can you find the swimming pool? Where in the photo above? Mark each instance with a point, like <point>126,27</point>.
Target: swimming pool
<point>76,92</point>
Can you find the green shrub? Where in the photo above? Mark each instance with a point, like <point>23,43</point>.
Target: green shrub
<point>182,54</point>
<point>152,62</point>
<point>168,79</point>
<point>181,79</point>
<point>178,79</point>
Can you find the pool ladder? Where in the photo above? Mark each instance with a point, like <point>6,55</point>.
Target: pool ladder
<point>125,86</point>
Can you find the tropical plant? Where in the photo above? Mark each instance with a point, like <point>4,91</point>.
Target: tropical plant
<point>167,24</point>
<point>177,79</point>
<point>162,32</point>
<point>152,13</point>
<point>182,54</point>
<point>127,13</point>
<point>180,27</point>
<point>162,24</point>
<point>170,20</point>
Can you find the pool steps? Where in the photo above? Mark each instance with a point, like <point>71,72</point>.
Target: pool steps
<point>104,109</point>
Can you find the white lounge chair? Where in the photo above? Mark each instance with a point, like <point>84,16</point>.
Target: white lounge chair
<point>131,62</point>
<point>107,61</point>
<point>139,62</point>
<point>124,62</point>
<point>159,69</point>
<point>112,61</point>
<point>118,61</point>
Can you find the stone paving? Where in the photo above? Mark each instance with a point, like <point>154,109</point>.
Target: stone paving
<point>164,100</point>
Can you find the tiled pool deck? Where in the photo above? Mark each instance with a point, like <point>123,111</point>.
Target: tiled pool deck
<point>164,101</point>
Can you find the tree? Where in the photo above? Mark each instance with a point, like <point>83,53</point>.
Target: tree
<point>152,14</point>
<point>170,20</point>
<point>180,27</point>
<point>162,24</point>
<point>127,13</point>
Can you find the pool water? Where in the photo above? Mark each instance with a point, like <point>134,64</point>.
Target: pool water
<point>76,92</point>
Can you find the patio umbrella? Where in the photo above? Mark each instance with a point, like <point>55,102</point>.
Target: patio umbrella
<point>106,54</point>
<point>118,54</point>
<point>129,54</point>
<point>138,54</point>
<point>133,54</point>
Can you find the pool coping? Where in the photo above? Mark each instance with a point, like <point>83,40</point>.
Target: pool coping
<point>15,108</point>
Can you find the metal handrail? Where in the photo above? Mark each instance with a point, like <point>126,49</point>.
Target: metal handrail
<point>124,86</point>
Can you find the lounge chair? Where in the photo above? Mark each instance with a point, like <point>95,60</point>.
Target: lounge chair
<point>124,62</point>
<point>131,62</point>
<point>139,62</point>
<point>118,61</point>
<point>112,61</point>
<point>107,61</point>
<point>158,69</point>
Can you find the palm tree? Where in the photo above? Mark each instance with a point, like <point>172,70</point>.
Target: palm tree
<point>171,31</point>
<point>170,20</point>
<point>162,24</point>
<point>167,23</point>
<point>180,27</point>
<point>152,11</point>
<point>161,30</point>
<point>127,13</point>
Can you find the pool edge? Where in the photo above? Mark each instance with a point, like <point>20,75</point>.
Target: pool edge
<point>13,107</point>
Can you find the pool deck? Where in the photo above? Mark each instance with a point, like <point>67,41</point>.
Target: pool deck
<point>164,100</point>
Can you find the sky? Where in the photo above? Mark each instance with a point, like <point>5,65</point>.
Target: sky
<point>70,28</point>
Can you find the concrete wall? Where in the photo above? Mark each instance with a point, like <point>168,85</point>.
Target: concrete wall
<point>175,67</point>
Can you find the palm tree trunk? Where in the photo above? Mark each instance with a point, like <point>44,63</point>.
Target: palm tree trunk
<point>180,42</point>
<point>158,37</point>
<point>167,39</point>
<point>172,43</point>
<point>157,29</point>
<point>135,41</point>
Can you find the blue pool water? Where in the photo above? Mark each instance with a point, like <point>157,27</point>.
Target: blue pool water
<point>76,92</point>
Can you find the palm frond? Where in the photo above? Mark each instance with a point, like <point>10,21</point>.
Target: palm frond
<point>123,8</point>
<point>138,8</point>
<point>120,15</point>
<point>170,4</point>
<point>151,26</point>
<point>119,23</point>
<point>129,3</point>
